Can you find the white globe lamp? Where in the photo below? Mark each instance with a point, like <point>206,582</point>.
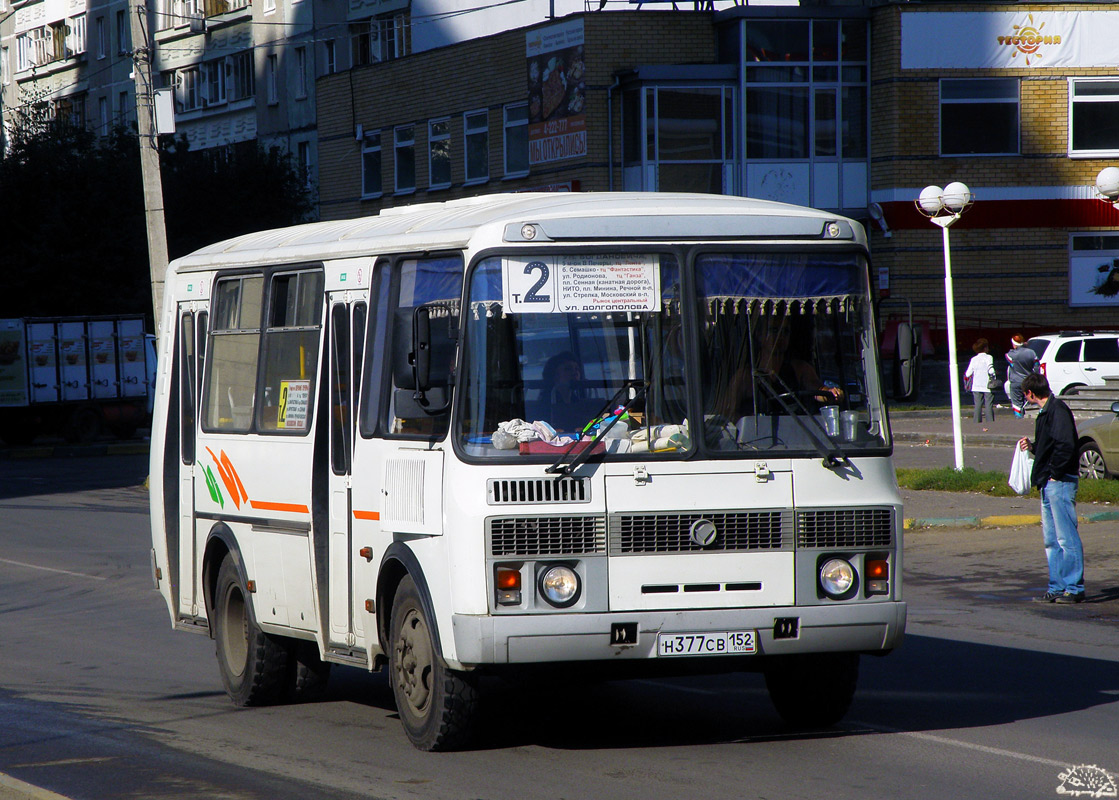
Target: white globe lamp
<point>930,200</point>
<point>956,196</point>
<point>1107,182</point>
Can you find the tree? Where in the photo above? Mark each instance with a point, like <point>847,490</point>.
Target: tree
<point>72,204</point>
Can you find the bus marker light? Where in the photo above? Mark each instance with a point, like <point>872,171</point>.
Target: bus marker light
<point>877,569</point>
<point>366,553</point>
<point>508,586</point>
<point>250,586</point>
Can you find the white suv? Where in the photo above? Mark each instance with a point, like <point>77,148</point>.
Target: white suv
<point>1071,359</point>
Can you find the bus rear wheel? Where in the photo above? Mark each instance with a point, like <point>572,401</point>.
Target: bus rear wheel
<point>254,666</point>
<point>437,705</point>
<point>812,691</point>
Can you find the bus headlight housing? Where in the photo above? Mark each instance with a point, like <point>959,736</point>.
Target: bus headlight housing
<point>837,578</point>
<point>559,585</point>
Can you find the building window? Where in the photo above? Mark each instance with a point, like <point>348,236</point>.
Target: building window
<point>70,110</point>
<point>404,142</point>
<point>214,90</point>
<point>76,36</point>
<point>5,67</point>
<point>123,35</point>
<point>371,165</point>
<point>380,39</point>
<point>188,96</point>
<point>124,108</point>
<point>269,6</point>
<point>242,79</point>
<point>103,116</point>
<point>680,140</point>
<point>300,72</point>
<point>439,153</point>
<point>476,127</point>
<point>1094,269</point>
<point>102,38</point>
<point>330,57</point>
<point>516,140</point>
<point>978,116</point>
<point>1093,117</point>
<point>273,79</point>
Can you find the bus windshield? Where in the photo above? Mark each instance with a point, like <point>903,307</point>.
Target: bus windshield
<point>773,353</point>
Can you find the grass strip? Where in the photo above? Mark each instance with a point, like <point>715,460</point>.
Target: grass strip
<point>947,479</point>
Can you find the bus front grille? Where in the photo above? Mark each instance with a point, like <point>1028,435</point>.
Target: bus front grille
<point>546,536</point>
<point>845,527</point>
<point>672,533</point>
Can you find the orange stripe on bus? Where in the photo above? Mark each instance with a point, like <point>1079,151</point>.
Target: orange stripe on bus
<point>366,514</point>
<point>295,508</point>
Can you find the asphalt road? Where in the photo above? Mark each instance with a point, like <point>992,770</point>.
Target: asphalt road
<point>991,696</point>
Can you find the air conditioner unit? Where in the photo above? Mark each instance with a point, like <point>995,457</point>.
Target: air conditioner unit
<point>197,24</point>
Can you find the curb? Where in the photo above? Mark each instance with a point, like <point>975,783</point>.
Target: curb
<point>973,440</point>
<point>1000,521</point>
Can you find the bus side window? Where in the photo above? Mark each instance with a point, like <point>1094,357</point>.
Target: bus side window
<point>291,351</point>
<point>434,283</point>
<point>229,380</point>
<point>373,375</point>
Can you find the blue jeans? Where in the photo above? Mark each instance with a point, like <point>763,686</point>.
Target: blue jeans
<point>1063,550</point>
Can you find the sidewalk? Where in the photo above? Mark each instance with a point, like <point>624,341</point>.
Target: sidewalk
<point>921,437</point>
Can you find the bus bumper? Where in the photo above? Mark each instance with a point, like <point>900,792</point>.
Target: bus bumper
<point>546,638</point>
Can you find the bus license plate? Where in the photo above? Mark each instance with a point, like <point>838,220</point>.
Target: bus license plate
<point>713,643</point>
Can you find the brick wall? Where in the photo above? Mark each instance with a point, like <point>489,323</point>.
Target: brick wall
<point>487,73</point>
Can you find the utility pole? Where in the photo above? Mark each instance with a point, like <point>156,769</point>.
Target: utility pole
<point>142,57</point>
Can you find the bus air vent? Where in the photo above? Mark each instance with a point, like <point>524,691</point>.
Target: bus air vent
<point>631,534</point>
<point>501,492</point>
<point>546,536</point>
<point>845,527</point>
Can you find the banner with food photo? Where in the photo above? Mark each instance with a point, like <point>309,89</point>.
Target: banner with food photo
<point>557,120</point>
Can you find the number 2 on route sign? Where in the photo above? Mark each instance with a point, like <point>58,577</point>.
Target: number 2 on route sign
<point>530,288</point>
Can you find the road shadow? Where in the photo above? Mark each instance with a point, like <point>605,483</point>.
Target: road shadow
<point>929,684</point>
<point>34,476</point>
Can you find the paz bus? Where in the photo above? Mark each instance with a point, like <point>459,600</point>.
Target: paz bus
<point>364,453</point>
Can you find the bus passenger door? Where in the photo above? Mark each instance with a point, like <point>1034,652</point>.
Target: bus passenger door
<point>344,634</point>
<point>191,332</point>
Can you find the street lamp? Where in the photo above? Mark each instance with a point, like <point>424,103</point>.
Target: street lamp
<point>943,207</point>
<point>1107,184</point>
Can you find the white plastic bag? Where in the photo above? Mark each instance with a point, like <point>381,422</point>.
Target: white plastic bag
<point>1020,469</point>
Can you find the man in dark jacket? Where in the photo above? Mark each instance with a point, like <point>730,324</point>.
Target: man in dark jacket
<point>1055,473</point>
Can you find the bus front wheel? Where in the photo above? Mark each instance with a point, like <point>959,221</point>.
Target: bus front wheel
<point>437,705</point>
<point>254,666</point>
<point>812,690</point>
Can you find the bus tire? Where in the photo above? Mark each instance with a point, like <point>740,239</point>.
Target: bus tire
<point>84,425</point>
<point>813,690</point>
<point>437,705</point>
<point>254,666</point>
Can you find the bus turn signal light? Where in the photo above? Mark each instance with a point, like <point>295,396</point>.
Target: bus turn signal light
<point>877,576</point>
<point>508,584</point>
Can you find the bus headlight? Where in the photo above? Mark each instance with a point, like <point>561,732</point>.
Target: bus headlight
<point>837,578</point>
<point>559,585</point>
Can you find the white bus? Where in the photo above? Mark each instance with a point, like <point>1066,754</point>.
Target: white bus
<point>642,433</point>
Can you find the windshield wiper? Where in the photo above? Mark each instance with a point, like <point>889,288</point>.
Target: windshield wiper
<point>585,453</point>
<point>832,454</point>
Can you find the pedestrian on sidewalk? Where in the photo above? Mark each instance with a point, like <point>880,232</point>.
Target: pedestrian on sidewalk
<point>1022,362</point>
<point>1055,474</point>
<point>981,371</point>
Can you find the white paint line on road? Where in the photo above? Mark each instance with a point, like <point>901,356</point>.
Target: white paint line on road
<point>979,748</point>
<point>52,569</point>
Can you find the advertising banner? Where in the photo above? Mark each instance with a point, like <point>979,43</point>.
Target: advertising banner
<point>1094,279</point>
<point>557,120</point>
<point>13,368</point>
<point>1009,39</point>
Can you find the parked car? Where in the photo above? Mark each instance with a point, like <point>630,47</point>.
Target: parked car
<point>1072,359</point>
<point>1099,445</point>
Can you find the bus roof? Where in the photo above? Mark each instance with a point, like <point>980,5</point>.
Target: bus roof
<point>558,215</point>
